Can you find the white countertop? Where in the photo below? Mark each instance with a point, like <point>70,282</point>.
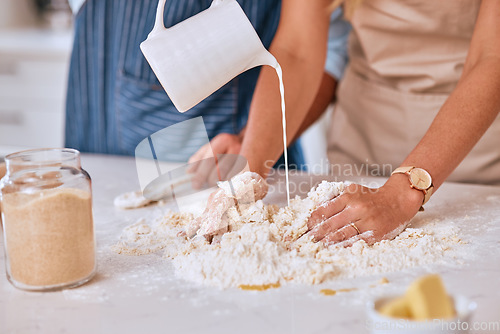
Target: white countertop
<point>141,294</point>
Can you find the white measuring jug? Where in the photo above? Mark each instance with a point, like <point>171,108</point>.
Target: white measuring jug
<point>197,56</point>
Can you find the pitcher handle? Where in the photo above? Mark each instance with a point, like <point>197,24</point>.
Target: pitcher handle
<point>159,23</point>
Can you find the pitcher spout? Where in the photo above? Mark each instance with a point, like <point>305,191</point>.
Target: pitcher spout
<point>263,58</point>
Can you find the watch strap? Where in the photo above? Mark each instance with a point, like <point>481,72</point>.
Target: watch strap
<point>403,170</point>
<point>428,194</point>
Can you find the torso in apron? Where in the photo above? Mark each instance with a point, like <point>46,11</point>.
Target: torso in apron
<point>114,99</point>
<point>406,57</point>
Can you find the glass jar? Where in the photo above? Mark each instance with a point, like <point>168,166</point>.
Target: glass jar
<point>46,203</point>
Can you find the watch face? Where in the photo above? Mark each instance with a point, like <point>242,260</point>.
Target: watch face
<point>420,178</point>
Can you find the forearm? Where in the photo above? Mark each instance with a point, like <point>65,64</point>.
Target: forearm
<point>263,136</point>
<point>300,48</point>
<point>461,122</point>
<point>324,96</point>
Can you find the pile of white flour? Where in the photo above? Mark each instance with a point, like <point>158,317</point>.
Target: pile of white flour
<point>264,246</point>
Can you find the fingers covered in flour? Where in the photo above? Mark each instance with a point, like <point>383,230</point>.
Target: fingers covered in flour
<point>192,227</point>
<point>330,225</point>
<point>370,231</point>
<point>212,219</point>
<point>345,233</point>
<point>244,188</point>
<point>326,210</point>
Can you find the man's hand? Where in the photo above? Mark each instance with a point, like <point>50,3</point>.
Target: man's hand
<point>214,161</point>
<point>244,188</point>
<point>377,214</point>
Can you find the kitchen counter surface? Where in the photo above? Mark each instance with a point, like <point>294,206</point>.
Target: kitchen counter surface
<point>140,294</point>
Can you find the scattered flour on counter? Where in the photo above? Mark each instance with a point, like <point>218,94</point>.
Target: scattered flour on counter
<point>264,246</point>
<point>131,200</point>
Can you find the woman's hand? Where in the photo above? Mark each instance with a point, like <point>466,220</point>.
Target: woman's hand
<point>215,161</point>
<point>377,214</point>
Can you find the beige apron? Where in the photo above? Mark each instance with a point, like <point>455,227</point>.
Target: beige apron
<point>406,57</point>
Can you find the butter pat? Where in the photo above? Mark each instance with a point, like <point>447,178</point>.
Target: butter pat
<point>427,299</point>
<point>396,308</point>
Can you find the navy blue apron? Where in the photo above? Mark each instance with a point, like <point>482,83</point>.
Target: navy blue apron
<point>114,99</point>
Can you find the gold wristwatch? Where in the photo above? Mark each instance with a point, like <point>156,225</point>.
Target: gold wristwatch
<point>420,179</point>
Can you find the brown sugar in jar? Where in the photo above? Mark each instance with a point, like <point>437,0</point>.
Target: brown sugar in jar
<point>47,219</point>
